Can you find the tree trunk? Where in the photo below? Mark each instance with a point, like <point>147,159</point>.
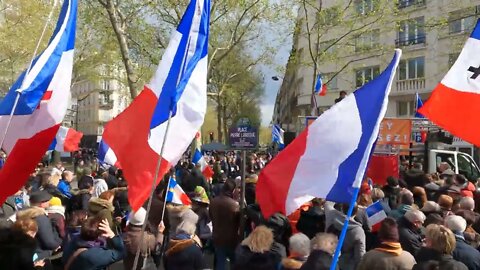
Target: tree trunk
<point>219,119</point>
<point>119,29</point>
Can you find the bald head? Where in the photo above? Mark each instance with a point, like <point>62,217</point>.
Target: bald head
<point>67,176</point>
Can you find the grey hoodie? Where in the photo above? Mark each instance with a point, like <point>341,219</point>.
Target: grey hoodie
<point>353,247</point>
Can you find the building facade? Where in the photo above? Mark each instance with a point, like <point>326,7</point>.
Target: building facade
<point>95,102</point>
<point>353,51</point>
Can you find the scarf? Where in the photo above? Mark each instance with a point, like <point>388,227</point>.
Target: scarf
<point>391,247</point>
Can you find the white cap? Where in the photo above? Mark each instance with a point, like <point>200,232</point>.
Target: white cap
<point>137,218</point>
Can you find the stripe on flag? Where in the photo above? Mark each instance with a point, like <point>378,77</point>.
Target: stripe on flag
<point>375,215</point>
<point>277,135</point>
<point>66,140</point>
<point>106,155</point>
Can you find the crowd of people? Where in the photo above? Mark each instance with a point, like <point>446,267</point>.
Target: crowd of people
<point>432,223</point>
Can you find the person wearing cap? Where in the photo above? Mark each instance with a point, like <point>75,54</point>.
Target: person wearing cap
<point>133,236</point>
<point>56,213</point>
<point>389,255</point>
<point>409,229</point>
<point>200,203</point>
<point>463,252</point>
<point>47,237</point>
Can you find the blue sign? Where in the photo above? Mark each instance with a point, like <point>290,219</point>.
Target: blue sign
<point>243,137</point>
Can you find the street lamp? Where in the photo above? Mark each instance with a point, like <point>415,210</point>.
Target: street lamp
<point>276,78</point>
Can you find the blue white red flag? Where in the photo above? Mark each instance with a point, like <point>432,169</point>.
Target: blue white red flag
<point>199,159</point>
<point>66,140</point>
<point>459,89</point>
<point>418,105</point>
<point>45,94</point>
<point>375,215</point>
<point>277,136</point>
<point>338,144</point>
<point>320,88</point>
<point>106,156</point>
<point>176,194</point>
<point>178,86</point>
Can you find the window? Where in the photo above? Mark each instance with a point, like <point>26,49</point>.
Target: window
<point>413,68</point>
<point>327,47</point>
<point>367,41</point>
<point>105,85</point>
<point>329,16</point>
<point>408,3</point>
<point>466,166</point>
<point>464,20</point>
<point>452,58</point>
<point>405,108</point>
<point>411,32</point>
<point>364,75</point>
<point>363,7</point>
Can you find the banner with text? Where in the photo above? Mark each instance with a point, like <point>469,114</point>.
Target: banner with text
<point>395,131</point>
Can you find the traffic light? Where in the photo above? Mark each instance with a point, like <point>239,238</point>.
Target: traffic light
<point>211,136</point>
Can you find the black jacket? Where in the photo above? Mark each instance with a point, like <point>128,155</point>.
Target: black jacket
<point>466,254</point>
<point>80,200</point>
<point>311,221</point>
<point>392,194</point>
<point>318,260</point>
<point>183,254</point>
<point>246,259</point>
<point>410,237</point>
<point>85,181</point>
<point>112,181</point>
<point>250,191</point>
<point>16,250</point>
<point>427,257</point>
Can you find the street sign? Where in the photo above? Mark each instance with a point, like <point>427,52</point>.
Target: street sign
<point>243,137</point>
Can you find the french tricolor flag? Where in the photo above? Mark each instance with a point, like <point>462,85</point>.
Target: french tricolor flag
<point>375,215</point>
<point>460,91</point>
<point>66,140</point>
<point>179,86</point>
<point>328,159</point>
<point>199,159</point>
<point>176,194</point>
<point>320,88</point>
<point>41,106</point>
<point>106,156</point>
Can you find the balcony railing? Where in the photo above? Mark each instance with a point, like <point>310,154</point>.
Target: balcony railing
<point>106,105</point>
<point>409,3</point>
<point>410,41</point>
<point>411,85</point>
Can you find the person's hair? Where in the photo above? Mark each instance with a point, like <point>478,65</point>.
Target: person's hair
<point>445,202</point>
<point>460,179</point>
<point>260,240</point>
<point>441,238</point>
<point>65,173</point>
<point>187,228</point>
<point>90,230</point>
<point>344,208</point>
<point>317,201</point>
<point>419,196</point>
<point>388,230</point>
<point>377,194</point>
<point>107,195</point>
<point>77,218</point>
<point>406,198</point>
<point>343,92</point>
<point>325,242</point>
<point>229,186</point>
<point>25,225</point>
<point>299,243</point>
<point>364,200</point>
<point>467,203</point>
<point>456,223</point>
<point>414,215</point>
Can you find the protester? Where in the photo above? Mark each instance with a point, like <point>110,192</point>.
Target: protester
<point>200,203</point>
<point>446,203</point>
<point>47,237</point>
<point>463,252</point>
<point>406,203</point>
<point>254,252</point>
<point>50,181</point>
<point>56,213</point>
<point>392,192</point>
<point>99,184</point>
<point>7,210</point>
<point>111,177</point>
<point>18,246</point>
<point>409,230</point>
<point>225,215</point>
<point>440,243</point>
<point>81,199</point>
<point>85,178</point>
<point>184,250</point>
<point>299,249</point>
<point>102,207</point>
<point>312,221</point>
<point>389,255</point>
<point>354,246</point>
<point>133,239</point>
<point>250,189</point>
<point>90,251</point>
<point>64,184</point>
<point>74,225</point>
<point>178,213</point>
<point>323,247</point>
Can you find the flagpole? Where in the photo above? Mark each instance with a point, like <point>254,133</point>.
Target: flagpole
<point>344,229</point>
<point>152,189</point>
<point>19,91</point>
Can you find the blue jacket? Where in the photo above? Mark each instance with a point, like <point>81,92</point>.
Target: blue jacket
<point>95,257</point>
<point>466,254</point>
<point>64,188</point>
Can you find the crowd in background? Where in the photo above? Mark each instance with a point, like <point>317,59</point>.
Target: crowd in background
<point>81,219</point>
